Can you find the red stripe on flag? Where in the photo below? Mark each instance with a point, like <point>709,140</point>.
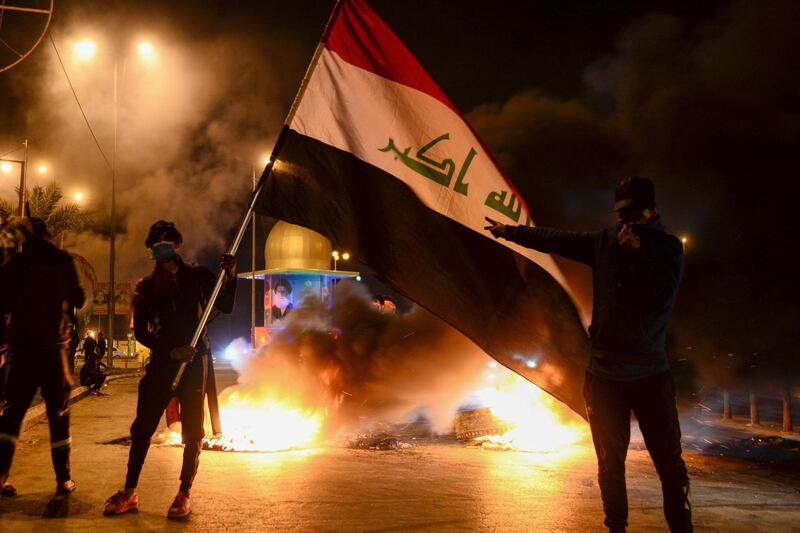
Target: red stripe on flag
<point>360,37</point>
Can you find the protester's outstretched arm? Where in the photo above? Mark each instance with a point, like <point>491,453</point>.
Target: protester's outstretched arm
<point>575,245</point>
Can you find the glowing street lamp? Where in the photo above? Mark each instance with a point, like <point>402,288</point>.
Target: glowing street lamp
<point>146,51</point>
<point>42,168</point>
<point>7,165</point>
<point>85,49</point>
<point>337,256</point>
<point>78,197</point>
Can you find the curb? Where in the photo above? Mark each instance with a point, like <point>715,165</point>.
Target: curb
<point>38,412</point>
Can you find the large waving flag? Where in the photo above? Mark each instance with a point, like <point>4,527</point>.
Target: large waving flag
<point>375,157</point>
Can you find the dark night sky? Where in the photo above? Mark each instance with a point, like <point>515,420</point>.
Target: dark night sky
<point>704,97</point>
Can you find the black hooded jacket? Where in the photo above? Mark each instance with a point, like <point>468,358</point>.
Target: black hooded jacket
<point>39,288</point>
<point>634,292</point>
<point>166,317</point>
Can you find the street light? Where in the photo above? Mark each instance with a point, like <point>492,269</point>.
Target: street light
<point>6,165</point>
<point>42,168</point>
<point>336,257</point>
<point>78,197</point>
<point>146,49</point>
<point>87,49</point>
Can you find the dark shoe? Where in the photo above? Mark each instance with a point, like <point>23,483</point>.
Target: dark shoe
<point>180,508</point>
<point>7,490</point>
<point>121,502</point>
<point>58,506</point>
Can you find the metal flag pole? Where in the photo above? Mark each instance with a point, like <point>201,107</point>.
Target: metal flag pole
<point>257,192</point>
<point>232,249</point>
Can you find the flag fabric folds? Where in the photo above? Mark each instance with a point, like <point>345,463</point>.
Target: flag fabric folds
<point>379,160</point>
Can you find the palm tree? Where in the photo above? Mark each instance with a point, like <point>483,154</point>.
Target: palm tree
<point>6,209</point>
<point>45,203</point>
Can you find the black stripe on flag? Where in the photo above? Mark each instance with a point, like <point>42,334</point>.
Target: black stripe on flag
<point>509,306</point>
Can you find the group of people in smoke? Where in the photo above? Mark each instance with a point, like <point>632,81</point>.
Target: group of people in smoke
<point>636,266</point>
<point>38,289</point>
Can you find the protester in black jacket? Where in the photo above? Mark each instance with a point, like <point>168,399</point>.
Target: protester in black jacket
<point>167,306</point>
<point>636,270</point>
<point>38,287</point>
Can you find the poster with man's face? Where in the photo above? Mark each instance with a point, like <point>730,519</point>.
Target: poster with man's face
<point>278,301</point>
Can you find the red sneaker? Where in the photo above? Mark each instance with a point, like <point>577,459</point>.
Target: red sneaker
<point>121,502</point>
<point>180,508</point>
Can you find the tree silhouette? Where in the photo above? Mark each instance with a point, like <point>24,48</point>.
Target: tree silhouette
<point>46,203</point>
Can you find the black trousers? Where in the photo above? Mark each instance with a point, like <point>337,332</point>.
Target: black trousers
<point>154,395</point>
<point>652,399</point>
<point>29,371</point>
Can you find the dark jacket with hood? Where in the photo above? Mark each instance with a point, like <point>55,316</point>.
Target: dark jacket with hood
<point>167,308</point>
<point>634,292</point>
<point>39,288</point>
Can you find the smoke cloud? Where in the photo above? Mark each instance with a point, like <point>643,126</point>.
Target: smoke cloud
<point>194,122</point>
<point>365,366</point>
<point>709,113</point>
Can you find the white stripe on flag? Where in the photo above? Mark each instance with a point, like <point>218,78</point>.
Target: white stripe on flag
<point>357,111</point>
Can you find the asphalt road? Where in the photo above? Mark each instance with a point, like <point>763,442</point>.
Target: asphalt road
<point>434,487</point>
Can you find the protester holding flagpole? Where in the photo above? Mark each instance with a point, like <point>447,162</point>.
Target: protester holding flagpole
<point>167,305</point>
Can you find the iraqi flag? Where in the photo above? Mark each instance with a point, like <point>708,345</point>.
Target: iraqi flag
<point>375,157</point>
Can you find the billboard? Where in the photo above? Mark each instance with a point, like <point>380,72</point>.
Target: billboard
<point>122,295</point>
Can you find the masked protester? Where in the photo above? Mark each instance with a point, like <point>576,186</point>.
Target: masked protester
<point>167,305</point>
<point>37,288</point>
<point>636,271</point>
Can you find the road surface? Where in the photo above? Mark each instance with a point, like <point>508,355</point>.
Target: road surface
<point>430,487</point>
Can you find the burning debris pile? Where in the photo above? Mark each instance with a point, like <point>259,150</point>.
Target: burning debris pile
<point>355,376</point>
<point>517,415</point>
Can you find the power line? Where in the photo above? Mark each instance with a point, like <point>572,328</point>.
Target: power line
<point>13,150</point>
<point>77,101</point>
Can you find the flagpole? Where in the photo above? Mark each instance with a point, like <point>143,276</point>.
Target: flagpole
<point>237,240</point>
<point>232,249</point>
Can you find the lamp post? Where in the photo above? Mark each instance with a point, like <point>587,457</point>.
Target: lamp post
<point>337,256</point>
<point>86,49</point>
<point>6,165</point>
<point>78,197</point>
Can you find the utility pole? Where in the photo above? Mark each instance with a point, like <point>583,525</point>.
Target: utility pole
<point>112,252</point>
<point>253,271</point>
<point>23,176</point>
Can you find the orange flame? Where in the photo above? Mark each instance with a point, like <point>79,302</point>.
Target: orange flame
<point>264,424</point>
<point>537,422</point>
